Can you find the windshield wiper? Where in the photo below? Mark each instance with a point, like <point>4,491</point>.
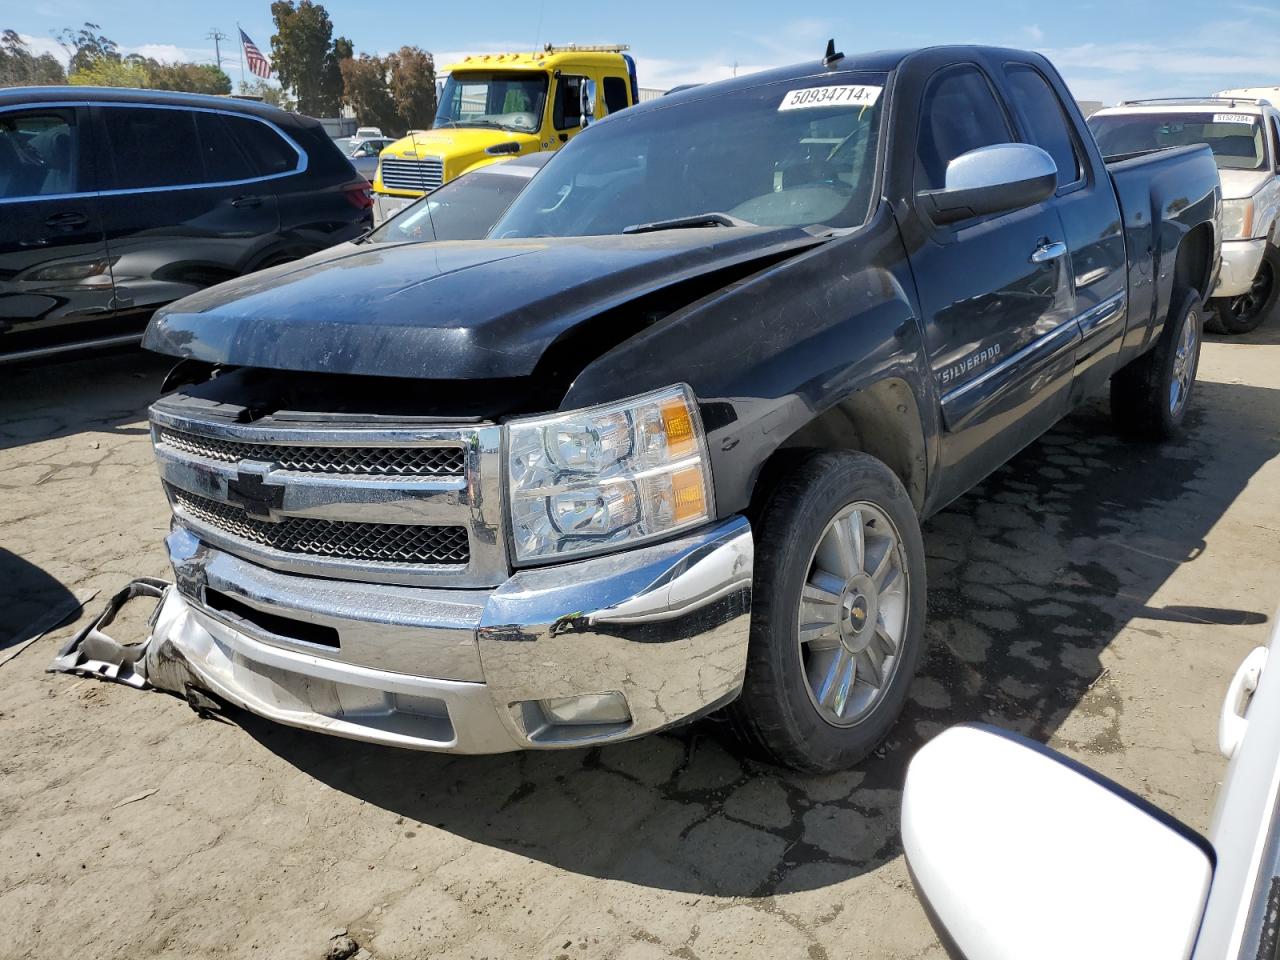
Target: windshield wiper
<point>711,219</point>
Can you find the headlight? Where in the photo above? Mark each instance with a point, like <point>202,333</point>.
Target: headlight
<point>1237,219</point>
<point>616,474</point>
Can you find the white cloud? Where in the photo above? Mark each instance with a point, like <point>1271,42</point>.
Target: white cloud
<point>38,46</point>
<point>1033,33</point>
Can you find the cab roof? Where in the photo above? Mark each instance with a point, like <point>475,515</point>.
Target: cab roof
<point>547,59</point>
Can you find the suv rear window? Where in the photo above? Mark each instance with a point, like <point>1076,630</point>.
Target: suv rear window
<point>270,153</point>
<point>1238,140</point>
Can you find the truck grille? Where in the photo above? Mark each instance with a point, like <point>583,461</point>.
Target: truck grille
<point>418,175</point>
<point>335,539</point>
<point>429,462</point>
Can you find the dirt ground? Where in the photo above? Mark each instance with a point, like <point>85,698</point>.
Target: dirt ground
<point>1093,594</point>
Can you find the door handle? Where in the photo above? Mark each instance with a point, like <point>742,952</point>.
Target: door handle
<point>1049,250</point>
<point>69,219</point>
<point>247,202</point>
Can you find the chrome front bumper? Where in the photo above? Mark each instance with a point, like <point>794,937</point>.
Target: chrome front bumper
<point>1240,262</point>
<point>460,670</point>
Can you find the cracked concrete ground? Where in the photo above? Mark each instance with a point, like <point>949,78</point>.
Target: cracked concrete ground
<point>1093,594</point>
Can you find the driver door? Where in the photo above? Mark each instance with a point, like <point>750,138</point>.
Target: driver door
<point>55,276</point>
<point>995,294</point>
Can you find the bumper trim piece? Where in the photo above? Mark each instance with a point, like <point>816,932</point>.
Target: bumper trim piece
<point>663,626</point>
<point>1240,262</point>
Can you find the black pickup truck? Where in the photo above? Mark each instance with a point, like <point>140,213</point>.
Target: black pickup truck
<point>662,444</point>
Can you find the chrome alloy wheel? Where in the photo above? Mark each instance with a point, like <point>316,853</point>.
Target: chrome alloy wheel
<point>1184,363</point>
<point>853,613</point>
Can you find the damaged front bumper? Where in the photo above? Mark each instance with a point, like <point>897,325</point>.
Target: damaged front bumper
<point>588,652</point>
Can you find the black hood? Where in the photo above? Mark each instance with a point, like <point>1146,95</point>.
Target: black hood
<point>472,309</point>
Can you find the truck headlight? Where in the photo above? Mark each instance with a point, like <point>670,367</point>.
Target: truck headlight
<point>620,473</point>
<point>1237,219</point>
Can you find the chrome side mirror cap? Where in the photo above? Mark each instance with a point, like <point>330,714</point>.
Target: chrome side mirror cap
<point>587,95</point>
<point>1017,852</point>
<point>994,179</point>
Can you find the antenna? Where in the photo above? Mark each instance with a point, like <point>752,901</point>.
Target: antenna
<point>831,57</point>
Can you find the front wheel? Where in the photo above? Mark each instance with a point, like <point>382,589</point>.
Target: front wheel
<point>1150,396</point>
<point>1244,313</point>
<point>837,628</point>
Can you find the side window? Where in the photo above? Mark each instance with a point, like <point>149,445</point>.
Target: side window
<point>223,158</point>
<point>39,154</point>
<point>567,113</point>
<point>1045,120</point>
<point>959,113</point>
<point>268,151</point>
<point>615,94</point>
<point>1275,144</point>
<point>152,147</point>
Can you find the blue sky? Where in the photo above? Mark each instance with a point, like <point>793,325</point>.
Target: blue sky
<point>1106,50</point>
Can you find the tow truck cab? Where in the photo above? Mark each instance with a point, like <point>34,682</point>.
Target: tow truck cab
<point>496,105</point>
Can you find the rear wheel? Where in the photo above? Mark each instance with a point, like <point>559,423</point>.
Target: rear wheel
<point>838,615</point>
<point>1150,397</point>
<point>1246,312</point>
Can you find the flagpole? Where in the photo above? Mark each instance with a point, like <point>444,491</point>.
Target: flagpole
<point>241,39</point>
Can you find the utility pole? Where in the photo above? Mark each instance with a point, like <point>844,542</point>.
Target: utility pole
<point>217,36</point>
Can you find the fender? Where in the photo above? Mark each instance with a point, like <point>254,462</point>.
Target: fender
<point>771,354</point>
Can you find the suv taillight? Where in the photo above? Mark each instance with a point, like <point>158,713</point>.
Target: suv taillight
<point>360,194</point>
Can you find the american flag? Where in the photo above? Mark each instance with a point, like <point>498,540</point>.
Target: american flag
<point>259,65</point>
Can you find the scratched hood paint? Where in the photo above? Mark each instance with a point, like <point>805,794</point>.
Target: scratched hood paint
<point>469,309</point>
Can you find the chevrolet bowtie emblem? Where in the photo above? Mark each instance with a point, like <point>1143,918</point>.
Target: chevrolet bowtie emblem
<point>251,491</point>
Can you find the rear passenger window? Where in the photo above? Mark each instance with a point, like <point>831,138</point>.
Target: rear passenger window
<point>270,152</point>
<point>615,94</point>
<point>39,154</point>
<point>1045,120</point>
<point>223,158</point>
<point>152,147</point>
<point>959,113</point>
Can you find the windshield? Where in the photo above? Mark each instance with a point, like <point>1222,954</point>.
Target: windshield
<point>797,153</point>
<point>1236,139</point>
<point>463,209</point>
<point>505,100</point>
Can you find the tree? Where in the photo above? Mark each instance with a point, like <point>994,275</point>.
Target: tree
<point>366,89</point>
<point>109,72</point>
<point>413,87</point>
<point>189,77</point>
<point>268,92</point>
<point>86,46</point>
<point>305,56</point>
<point>20,68</point>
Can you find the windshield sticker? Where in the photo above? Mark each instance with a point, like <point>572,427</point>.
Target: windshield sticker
<point>811,97</point>
<point>1233,118</point>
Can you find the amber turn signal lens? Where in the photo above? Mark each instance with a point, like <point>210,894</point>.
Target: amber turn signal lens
<point>688,495</point>
<point>677,423</point>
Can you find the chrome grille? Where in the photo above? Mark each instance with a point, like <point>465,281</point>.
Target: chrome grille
<point>429,462</point>
<point>335,539</point>
<point>425,174</point>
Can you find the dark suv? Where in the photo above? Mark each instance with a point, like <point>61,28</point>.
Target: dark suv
<point>114,202</point>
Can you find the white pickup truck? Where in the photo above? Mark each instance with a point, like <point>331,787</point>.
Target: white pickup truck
<point>1244,135</point>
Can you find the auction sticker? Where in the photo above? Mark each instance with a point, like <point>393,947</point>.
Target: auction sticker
<point>1233,118</point>
<point>811,97</point>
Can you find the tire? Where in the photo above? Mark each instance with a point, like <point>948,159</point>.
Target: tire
<point>1144,403</point>
<point>779,714</point>
<point>1246,312</point>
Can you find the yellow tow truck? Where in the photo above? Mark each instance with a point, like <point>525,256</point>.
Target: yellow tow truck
<point>494,106</point>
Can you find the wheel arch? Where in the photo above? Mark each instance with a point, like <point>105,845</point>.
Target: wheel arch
<point>1193,264</point>
<point>881,419</point>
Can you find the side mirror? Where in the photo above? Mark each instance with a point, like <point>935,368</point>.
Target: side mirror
<point>587,95</point>
<point>1017,852</point>
<point>995,179</point>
